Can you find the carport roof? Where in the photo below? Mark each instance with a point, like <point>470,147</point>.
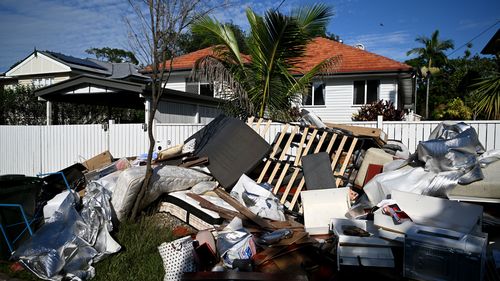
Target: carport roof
<point>113,92</point>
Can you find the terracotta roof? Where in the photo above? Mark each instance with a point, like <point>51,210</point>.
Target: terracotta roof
<point>353,59</point>
<point>187,61</point>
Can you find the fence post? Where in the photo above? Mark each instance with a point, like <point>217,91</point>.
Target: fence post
<point>380,121</point>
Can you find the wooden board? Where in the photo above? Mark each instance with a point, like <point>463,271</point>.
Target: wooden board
<point>242,209</point>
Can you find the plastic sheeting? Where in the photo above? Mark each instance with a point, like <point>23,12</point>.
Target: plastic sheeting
<point>69,242</point>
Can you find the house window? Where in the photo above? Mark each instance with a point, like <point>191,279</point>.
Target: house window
<point>42,82</point>
<point>200,88</point>
<point>315,94</point>
<point>365,91</point>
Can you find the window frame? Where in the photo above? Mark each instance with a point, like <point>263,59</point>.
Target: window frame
<point>37,81</point>
<point>198,86</point>
<point>365,81</point>
<point>312,95</point>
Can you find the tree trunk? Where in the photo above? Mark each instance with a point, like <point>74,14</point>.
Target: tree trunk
<point>149,168</point>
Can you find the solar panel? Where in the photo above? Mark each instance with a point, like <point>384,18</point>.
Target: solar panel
<point>77,61</point>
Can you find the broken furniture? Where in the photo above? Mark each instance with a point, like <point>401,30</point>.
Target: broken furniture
<point>232,148</point>
<point>373,156</point>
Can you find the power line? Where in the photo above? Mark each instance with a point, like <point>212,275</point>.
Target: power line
<point>277,8</point>
<point>484,31</point>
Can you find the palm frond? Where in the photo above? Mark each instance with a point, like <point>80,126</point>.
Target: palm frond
<point>488,96</point>
<point>313,20</point>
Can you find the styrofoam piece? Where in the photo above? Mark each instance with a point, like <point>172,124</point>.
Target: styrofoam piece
<point>320,206</point>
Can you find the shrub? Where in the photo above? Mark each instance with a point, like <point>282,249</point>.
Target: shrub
<point>371,111</point>
<point>453,110</point>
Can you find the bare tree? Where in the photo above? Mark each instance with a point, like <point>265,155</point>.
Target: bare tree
<point>154,33</point>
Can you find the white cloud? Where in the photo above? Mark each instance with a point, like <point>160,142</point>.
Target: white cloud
<point>392,45</point>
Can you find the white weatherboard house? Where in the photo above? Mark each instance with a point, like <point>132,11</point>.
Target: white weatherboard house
<point>361,78</point>
<point>62,78</point>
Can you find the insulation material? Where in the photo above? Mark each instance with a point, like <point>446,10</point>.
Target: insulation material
<point>452,149</point>
<point>451,157</point>
<point>69,242</point>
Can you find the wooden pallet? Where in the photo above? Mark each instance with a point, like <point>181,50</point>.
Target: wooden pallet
<point>295,142</point>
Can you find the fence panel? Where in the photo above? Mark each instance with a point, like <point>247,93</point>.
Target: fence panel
<point>127,140</point>
<point>20,150</point>
<point>33,149</point>
<point>168,135</point>
<point>64,145</point>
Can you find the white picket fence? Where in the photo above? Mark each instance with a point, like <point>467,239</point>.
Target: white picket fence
<point>31,150</point>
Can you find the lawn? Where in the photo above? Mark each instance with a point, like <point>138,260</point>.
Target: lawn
<point>138,259</point>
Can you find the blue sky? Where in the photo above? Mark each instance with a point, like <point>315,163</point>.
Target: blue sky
<point>385,27</point>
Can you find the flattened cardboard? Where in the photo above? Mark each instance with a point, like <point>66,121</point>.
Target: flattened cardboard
<point>99,161</point>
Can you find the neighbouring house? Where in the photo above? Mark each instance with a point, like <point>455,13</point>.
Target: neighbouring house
<point>493,46</point>
<point>62,78</point>
<point>44,68</point>
<point>363,77</point>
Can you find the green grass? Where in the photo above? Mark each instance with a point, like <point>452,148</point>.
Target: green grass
<point>24,275</point>
<point>139,258</point>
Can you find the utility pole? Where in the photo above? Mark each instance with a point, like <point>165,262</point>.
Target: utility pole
<point>427,95</point>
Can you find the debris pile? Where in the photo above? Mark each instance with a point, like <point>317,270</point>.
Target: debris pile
<point>315,202</point>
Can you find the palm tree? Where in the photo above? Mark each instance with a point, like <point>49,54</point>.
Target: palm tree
<point>266,81</point>
<point>433,55</point>
<point>488,96</point>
